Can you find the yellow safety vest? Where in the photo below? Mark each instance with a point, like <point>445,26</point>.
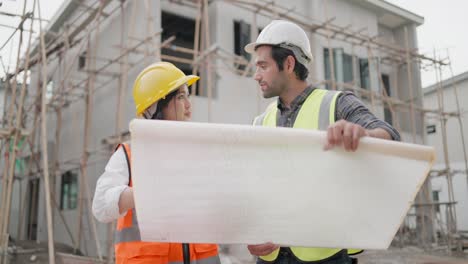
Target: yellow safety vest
<point>317,112</point>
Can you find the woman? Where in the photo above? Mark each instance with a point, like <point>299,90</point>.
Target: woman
<point>160,92</point>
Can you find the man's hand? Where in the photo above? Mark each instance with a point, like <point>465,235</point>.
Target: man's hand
<point>345,133</point>
<point>262,249</point>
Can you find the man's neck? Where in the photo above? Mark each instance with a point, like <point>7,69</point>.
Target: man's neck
<point>295,89</point>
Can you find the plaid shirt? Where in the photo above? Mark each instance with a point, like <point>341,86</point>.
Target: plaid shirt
<point>348,107</point>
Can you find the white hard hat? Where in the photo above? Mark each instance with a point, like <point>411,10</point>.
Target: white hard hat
<point>287,35</point>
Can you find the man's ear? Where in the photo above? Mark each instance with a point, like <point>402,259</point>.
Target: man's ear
<point>289,64</point>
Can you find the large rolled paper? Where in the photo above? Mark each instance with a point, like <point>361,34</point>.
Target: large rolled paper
<point>218,183</point>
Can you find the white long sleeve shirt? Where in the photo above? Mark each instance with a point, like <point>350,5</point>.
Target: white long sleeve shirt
<point>109,186</point>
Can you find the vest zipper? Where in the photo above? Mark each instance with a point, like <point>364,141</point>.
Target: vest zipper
<point>186,252</point>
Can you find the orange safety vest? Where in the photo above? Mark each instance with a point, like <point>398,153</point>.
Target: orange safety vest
<point>129,249</point>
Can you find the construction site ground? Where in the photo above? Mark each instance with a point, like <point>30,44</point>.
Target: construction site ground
<point>32,252</point>
<point>407,255</point>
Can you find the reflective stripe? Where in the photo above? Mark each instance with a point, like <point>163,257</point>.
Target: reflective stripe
<point>258,121</point>
<point>324,114</point>
<point>355,251</point>
<point>134,217</point>
<point>129,234</point>
<point>271,257</point>
<point>210,260</point>
<point>269,116</point>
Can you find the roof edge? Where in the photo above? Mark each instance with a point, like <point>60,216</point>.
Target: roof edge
<point>446,83</point>
<point>419,20</point>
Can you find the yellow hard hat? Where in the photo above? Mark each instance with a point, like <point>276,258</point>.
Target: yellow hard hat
<point>155,82</point>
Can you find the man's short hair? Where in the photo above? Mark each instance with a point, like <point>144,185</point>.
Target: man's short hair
<point>280,54</point>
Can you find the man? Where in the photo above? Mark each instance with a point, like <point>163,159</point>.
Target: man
<point>282,54</point>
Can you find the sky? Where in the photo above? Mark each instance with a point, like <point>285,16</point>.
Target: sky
<point>444,30</point>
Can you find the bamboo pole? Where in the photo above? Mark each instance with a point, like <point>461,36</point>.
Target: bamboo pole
<point>410,86</point>
<point>58,129</point>
<point>396,95</point>
<point>446,155</point>
<point>331,60</point>
<point>22,212</point>
<point>84,159</point>
<point>7,185</point>
<point>6,178</point>
<point>443,120</point>
<point>123,73</point>
<point>122,90</point>
<point>370,58</point>
<point>4,120</point>
<point>389,103</point>
<point>355,63</point>
<point>459,119</point>
<point>45,161</point>
<point>88,117</point>
<point>413,127</point>
<point>32,145</point>
<point>253,37</point>
<point>148,25</point>
<point>196,43</point>
<point>150,30</point>
<point>21,204</point>
<point>208,62</point>
<point>14,84</point>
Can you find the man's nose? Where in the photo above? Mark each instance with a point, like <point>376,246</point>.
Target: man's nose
<point>257,77</point>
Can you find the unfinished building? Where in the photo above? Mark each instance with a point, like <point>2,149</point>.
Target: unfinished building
<point>68,102</point>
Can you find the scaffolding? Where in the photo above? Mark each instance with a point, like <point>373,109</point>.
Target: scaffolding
<point>27,124</point>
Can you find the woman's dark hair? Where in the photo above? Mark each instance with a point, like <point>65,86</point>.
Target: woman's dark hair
<point>162,104</point>
<point>280,54</point>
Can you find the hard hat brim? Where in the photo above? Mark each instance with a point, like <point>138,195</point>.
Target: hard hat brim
<point>250,48</point>
<point>189,80</point>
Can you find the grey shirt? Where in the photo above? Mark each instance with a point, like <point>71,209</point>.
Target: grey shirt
<point>348,107</point>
